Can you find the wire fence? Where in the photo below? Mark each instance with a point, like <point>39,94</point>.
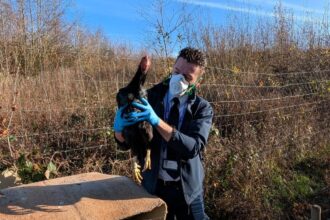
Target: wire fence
<point>40,109</point>
<point>112,58</point>
<point>235,70</point>
<point>255,85</point>
<point>112,103</point>
<point>292,114</point>
<point>281,144</point>
<point>72,131</point>
<point>269,110</point>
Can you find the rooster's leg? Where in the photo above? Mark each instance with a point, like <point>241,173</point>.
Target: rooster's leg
<point>137,171</point>
<point>147,161</point>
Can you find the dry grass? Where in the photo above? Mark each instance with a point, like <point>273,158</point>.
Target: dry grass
<point>268,154</point>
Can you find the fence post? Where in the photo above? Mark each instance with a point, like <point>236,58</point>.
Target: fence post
<point>315,212</point>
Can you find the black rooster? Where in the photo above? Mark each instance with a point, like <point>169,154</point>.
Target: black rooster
<point>139,135</point>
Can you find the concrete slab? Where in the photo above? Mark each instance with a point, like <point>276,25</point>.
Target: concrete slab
<point>85,196</point>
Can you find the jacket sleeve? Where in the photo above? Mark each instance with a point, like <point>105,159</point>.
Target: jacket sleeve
<point>189,144</point>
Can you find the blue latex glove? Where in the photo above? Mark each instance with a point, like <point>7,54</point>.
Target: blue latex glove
<point>121,122</point>
<point>147,113</point>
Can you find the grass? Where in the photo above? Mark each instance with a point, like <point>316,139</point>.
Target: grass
<point>268,150</point>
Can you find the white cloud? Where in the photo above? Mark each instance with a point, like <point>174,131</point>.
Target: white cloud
<point>247,10</point>
<point>294,7</point>
<point>227,7</point>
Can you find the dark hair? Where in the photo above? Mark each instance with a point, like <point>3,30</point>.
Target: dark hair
<point>193,55</point>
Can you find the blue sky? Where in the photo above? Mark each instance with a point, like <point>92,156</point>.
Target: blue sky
<point>123,20</point>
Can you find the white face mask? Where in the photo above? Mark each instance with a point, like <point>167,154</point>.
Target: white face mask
<point>178,85</point>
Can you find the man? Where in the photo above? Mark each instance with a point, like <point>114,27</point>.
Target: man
<point>181,121</point>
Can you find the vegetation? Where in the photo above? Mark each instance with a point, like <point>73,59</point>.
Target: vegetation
<point>268,154</point>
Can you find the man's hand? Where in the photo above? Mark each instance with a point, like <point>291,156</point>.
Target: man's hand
<point>121,122</point>
<point>147,113</point>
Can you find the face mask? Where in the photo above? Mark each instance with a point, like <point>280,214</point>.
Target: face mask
<point>178,85</point>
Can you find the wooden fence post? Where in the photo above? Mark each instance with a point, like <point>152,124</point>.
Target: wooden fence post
<point>315,212</point>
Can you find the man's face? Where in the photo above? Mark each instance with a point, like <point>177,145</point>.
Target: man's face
<point>190,71</point>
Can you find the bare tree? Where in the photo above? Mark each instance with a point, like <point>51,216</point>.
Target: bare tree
<point>167,22</point>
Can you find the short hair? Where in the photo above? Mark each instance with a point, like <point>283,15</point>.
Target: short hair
<point>193,55</point>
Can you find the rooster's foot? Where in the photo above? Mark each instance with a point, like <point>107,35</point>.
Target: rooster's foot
<point>147,161</point>
<point>137,172</point>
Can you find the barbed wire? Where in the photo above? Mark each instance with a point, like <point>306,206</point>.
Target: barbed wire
<point>316,82</point>
<point>209,84</point>
<point>262,86</point>
<point>268,110</point>
<point>278,127</point>
<point>65,109</point>
<point>108,145</point>
<point>264,151</point>
<point>282,116</point>
<point>81,148</point>
<point>264,99</point>
<point>113,56</point>
<point>60,132</point>
<point>206,84</point>
<point>283,140</point>
<point>267,74</point>
<point>216,116</point>
<point>214,102</point>
<point>300,139</point>
<point>84,107</point>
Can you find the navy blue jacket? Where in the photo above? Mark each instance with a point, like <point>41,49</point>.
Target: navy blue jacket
<point>188,142</point>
